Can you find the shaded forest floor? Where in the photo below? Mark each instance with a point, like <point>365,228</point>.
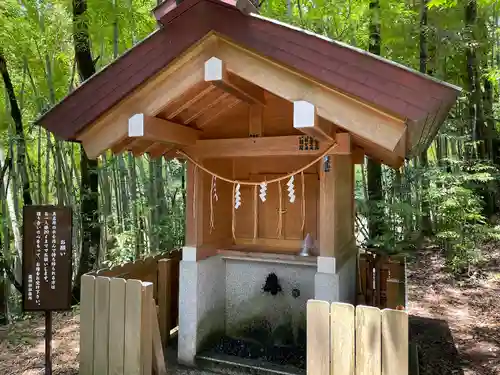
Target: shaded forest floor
<point>456,324</point>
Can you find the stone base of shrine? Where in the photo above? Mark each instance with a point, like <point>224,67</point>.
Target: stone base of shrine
<point>223,296</point>
<point>333,283</point>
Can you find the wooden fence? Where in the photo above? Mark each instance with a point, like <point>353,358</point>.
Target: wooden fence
<point>363,340</point>
<point>124,310</point>
<point>382,281</point>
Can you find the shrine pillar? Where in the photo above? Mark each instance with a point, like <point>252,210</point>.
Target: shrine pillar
<point>335,279</point>
<point>202,272</point>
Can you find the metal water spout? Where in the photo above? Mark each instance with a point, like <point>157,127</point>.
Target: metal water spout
<point>307,245</point>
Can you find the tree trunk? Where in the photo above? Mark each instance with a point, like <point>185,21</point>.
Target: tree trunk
<point>133,196</point>
<point>89,179</point>
<point>374,168</point>
<point>18,122</point>
<point>478,125</point>
<point>425,223</point>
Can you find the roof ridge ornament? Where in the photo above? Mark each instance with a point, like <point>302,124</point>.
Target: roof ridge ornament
<point>248,6</point>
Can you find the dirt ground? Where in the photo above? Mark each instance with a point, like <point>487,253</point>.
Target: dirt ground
<point>22,347</point>
<point>455,323</point>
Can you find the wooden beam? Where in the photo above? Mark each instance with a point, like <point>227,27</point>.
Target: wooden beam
<point>156,129</point>
<point>122,146</point>
<point>344,145</point>
<point>139,146</point>
<point>205,105</point>
<point>255,146</point>
<point>216,73</point>
<point>354,116</point>
<point>305,119</point>
<point>172,154</point>
<point>186,104</point>
<point>255,117</point>
<point>358,155</point>
<point>184,73</point>
<point>212,113</point>
<point>158,149</point>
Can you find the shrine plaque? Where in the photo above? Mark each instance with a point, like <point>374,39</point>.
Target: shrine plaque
<point>47,258</point>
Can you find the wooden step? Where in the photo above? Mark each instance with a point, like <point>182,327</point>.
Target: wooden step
<point>228,364</point>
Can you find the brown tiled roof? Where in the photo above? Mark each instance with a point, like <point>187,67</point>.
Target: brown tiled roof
<point>382,83</point>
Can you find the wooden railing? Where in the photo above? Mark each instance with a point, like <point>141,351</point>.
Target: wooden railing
<point>382,281</point>
<point>123,311</point>
<point>163,272</point>
<point>363,340</point>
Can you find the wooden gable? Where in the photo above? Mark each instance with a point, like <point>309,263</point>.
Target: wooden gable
<point>228,73</point>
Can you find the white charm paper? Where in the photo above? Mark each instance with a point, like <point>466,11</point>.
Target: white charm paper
<point>263,191</point>
<point>291,190</point>
<point>237,197</point>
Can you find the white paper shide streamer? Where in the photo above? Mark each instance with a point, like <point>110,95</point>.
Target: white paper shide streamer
<point>291,190</point>
<point>214,188</point>
<point>237,197</point>
<point>263,191</point>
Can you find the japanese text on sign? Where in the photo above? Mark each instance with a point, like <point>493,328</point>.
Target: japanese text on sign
<point>47,267</point>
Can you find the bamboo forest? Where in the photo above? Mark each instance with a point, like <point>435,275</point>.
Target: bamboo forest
<point>439,211</point>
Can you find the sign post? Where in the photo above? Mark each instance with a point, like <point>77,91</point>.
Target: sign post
<point>47,265</point>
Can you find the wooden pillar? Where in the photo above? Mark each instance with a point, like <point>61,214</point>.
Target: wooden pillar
<point>336,219</point>
<point>194,206</point>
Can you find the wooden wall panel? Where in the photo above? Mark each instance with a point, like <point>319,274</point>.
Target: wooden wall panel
<point>253,169</point>
<point>222,208</point>
<point>277,120</point>
<point>293,216</point>
<point>268,210</point>
<point>244,215</point>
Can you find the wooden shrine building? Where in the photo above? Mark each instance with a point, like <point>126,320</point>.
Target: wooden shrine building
<point>271,120</point>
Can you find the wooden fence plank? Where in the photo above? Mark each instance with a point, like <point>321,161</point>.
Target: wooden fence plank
<point>368,341</point>
<point>147,329</point>
<point>101,326</point>
<point>158,356</point>
<point>318,337</point>
<point>133,318</point>
<point>394,342</point>
<point>164,298</point>
<point>87,325</point>
<point>116,326</point>
<point>342,338</point>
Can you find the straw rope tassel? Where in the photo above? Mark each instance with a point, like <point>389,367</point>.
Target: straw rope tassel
<point>255,213</point>
<point>280,213</point>
<point>303,205</point>
<point>233,214</point>
<point>213,195</point>
<point>195,188</point>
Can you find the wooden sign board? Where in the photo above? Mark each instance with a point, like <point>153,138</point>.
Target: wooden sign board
<point>47,258</point>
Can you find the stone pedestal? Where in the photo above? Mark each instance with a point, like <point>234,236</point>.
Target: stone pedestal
<point>223,295</point>
<point>335,284</point>
<point>201,304</point>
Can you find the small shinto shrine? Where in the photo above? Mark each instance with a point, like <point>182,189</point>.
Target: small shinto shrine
<point>271,120</point>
